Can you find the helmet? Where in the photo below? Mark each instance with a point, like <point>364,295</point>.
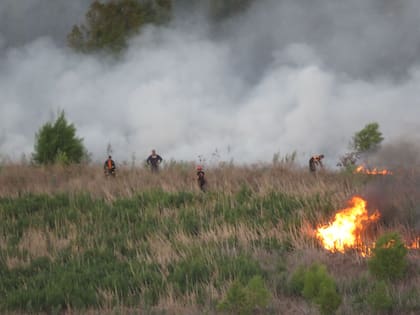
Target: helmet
<point>199,168</point>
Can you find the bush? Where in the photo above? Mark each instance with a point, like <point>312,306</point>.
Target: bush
<point>242,300</point>
<point>316,286</point>
<point>328,299</point>
<point>388,261</point>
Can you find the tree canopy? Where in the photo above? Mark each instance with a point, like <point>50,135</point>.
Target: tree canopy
<point>57,142</point>
<point>364,141</point>
<point>367,139</point>
<point>109,25</point>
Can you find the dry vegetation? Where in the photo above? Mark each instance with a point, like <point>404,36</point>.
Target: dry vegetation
<point>16,180</point>
<point>177,249</point>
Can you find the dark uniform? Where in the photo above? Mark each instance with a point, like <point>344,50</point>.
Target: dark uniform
<point>315,161</point>
<point>154,160</point>
<point>201,179</point>
<point>109,167</point>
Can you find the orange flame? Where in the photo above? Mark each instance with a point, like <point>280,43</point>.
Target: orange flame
<point>415,244</point>
<point>346,229</point>
<point>362,169</point>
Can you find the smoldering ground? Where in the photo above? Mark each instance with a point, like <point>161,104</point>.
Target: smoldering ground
<point>279,77</point>
<point>397,196</point>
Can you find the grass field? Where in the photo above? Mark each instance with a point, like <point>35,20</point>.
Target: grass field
<point>74,242</point>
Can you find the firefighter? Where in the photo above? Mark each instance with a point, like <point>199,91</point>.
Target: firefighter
<point>315,162</point>
<point>109,167</point>
<point>154,160</point>
<point>201,180</point>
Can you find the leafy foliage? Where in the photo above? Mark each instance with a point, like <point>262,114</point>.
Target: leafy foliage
<point>109,25</point>
<point>57,142</point>
<point>388,261</point>
<point>368,138</point>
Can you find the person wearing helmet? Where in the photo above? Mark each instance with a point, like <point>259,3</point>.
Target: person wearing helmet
<point>201,180</point>
<point>315,161</point>
<point>154,160</point>
<point>109,167</point>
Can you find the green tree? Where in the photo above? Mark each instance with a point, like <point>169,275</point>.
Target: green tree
<point>109,25</point>
<point>367,139</point>
<point>57,143</point>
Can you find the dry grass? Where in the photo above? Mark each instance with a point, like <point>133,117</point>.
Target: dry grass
<point>16,180</point>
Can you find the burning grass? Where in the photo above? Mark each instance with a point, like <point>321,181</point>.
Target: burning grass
<point>346,230</point>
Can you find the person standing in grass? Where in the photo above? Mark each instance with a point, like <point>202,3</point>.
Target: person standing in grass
<point>154,161</point>
<point>201,180</point>
<point>109,167</point>
<point>315,162</point>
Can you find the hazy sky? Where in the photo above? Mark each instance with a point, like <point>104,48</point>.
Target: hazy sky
<point>286,75</point>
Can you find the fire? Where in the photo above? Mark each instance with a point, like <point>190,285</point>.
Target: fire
<point>415,244</point>
<point>362,169</point>
<point>346,229</point>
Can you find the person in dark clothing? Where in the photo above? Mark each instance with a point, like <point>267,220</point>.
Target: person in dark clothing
<point>154,160</point>
<point>315,161</point>
<point>201,180</point>
<point>109,167</point>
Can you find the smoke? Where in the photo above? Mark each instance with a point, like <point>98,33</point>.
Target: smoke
<point>25,20</point>
<point>396,196</point>
<point>283,76</point>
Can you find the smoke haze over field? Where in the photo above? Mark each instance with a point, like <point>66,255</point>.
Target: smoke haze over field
<point>284,75</point>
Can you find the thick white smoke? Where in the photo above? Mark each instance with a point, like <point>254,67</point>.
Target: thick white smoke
<point>281,77</point>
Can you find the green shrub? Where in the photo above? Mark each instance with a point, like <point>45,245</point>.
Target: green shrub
<point>388,259</point>
<point>328,299</point>
<point>379,299</point>
<point>316,286</point>
<point>243,300</point>
<point>257,293</point>
<point>235,301</point>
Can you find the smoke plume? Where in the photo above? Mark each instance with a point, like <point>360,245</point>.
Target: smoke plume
<point>282,76</point>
